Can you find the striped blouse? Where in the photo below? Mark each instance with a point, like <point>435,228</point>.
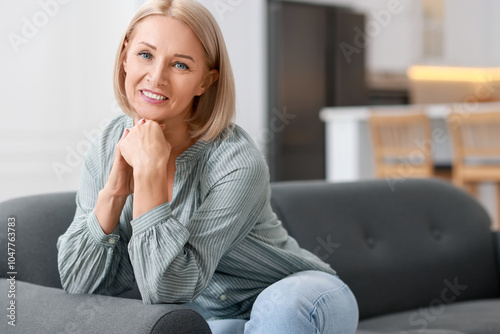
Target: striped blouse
<point>217,244</point>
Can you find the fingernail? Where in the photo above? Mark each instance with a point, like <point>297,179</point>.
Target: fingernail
<point>142,121</point>
<point>125,132</point>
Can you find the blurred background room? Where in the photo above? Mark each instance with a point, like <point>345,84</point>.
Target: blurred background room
<point>310,75</point>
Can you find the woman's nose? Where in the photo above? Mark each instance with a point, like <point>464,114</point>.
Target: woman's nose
<point>158,75</point>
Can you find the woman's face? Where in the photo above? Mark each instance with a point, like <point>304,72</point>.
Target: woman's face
<point>165,69</point>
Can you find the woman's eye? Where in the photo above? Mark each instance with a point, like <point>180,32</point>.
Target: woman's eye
<point>145,55</point>
<point>181,66</point>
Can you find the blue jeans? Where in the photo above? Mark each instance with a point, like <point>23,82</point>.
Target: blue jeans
<point>302,303</point>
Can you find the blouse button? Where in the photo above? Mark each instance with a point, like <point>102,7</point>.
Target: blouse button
<point>112,241</point>
<point>223,297</point>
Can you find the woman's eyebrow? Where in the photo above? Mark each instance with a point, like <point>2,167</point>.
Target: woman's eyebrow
<point>184,56</point>
<point>149,45</point>
<point>175,55</point>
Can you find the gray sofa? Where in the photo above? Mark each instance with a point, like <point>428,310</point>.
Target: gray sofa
<point>420,258</point>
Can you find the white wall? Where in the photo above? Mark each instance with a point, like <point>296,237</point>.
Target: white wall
<point>56,63</point>
<point>472,33</point>
<point>399,36</point>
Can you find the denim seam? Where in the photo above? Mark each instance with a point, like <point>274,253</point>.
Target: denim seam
<point>321,297</point>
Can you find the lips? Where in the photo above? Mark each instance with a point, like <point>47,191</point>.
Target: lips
<point>154,96</point>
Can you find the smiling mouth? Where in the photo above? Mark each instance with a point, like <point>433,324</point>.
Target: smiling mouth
<point>154,96</point>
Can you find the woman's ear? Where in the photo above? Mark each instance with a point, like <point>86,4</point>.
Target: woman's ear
<point>211,77</point>
<point>124,62</point>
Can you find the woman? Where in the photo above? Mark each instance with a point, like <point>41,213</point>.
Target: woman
<point>176,197</point>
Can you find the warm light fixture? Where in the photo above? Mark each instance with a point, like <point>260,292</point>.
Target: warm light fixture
<point>448,73</point>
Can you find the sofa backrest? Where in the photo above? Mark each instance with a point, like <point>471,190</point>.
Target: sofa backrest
<point>419,243</point>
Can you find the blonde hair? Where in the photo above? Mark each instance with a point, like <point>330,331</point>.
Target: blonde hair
<point>213,111</point>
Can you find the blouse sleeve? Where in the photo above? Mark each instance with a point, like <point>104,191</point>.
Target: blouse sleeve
<point>90,261</point>
<point>174,262</point>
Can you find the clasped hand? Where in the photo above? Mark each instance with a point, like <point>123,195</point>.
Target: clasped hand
<point>142,149</point>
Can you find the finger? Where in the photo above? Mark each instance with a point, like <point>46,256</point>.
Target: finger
<point>118,153</point>
<point>155,123</point>
<point>138,120</point>
<point>125,133</point>
<point>118,148</point>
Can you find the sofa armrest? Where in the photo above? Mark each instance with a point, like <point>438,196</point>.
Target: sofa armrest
<point>40,309</point>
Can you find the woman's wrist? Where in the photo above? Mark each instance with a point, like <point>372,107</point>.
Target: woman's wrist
<point>150,180</point>
<point>112,195</point>
<point>150,168</point>
<point>150,189</point>
<point>109,196</point>
<point>150,176</point>
<point>108,210</point>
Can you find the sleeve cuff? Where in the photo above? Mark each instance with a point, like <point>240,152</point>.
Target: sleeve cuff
<point>107,240</point>
<point>151,218</point>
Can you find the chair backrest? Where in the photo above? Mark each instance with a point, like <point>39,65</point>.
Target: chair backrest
<point>475,135</point>
<point>402,144</point>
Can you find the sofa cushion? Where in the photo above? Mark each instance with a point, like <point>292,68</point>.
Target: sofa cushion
<point>398,246</point>
<point>473,317</point>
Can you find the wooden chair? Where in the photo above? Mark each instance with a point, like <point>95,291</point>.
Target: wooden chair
<point>402,145</point>
<point>476,146</point>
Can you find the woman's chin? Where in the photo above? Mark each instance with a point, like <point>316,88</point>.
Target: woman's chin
<point>147,115</point>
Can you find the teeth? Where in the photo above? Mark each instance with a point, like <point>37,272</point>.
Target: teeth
<point>154,96</point>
